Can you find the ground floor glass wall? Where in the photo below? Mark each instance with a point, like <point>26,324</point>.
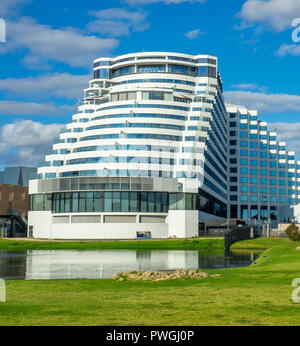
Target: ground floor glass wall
<point>123,201</point>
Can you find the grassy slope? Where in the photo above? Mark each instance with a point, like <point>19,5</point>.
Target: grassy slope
<point>256,295</point>
<point>188,244</point>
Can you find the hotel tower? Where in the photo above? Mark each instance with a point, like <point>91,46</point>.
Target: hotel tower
<point>148,152</point>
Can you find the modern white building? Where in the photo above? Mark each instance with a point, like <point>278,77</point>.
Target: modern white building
<point>153,151</point>
<point>145,152</point>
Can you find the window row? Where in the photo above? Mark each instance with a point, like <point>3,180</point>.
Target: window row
<point>113,201</point>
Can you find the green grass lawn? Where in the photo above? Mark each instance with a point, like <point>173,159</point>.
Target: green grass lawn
<point>179,244</point>
<point>256,295</point>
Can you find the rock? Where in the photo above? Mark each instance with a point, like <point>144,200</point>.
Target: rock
<point>132,277</point>
<point>191,272</point>
<point>178,274</point>
<point>163,275</point>
<point>202,275</point>
<point>146,276</point>
<point>115,277</point>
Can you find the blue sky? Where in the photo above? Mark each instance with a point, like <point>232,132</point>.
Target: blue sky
<point>48,55</point>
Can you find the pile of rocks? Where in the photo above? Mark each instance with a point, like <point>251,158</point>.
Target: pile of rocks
<point>163,275</point>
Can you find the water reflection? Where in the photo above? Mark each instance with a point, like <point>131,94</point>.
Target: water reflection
<point>68,264</point>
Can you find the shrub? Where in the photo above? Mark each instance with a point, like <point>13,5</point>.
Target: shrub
<point>293,232</point>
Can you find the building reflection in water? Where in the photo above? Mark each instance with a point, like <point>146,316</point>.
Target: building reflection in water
<point>68,264</point>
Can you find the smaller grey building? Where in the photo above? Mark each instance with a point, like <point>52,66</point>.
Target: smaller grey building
<point>17,175</point>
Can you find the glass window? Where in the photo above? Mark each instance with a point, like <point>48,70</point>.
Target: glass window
<point>37,202</point>
<point>82,201</point>
<point>133,207</point>
<point>116,201</point>
<point>56,202</point>
<point>67,200</point>
<point>108,201</point>
<point>75,202</point>
<point>187,70</point>
<point>98,201</point>
<point>156,95</point>
<point>151,68</point>
<point>125,201</point>
<point>165,202</point>
<point>158,207</point>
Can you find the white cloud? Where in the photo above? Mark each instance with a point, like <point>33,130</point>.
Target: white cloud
<point>63,85</point>
<point>194,34</point>
<point>288,132</point>
<point>32,108</point>
<point>26,142</point>
<point>264,103</point>
<point>47,44</point>
<point>29,133</point>
<point>247,86</point>
<point>10,7</point>
<point>289,49</point>
<point>276,14</point>
<point>117,22</point>
<point>167,2</point>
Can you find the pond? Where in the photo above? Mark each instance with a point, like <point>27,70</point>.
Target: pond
<point>71,264</point>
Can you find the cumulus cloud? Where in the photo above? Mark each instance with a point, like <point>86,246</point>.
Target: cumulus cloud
<point>26,142</point>
<point>62,85</point>
<point>289,49</point>
<point>288,132</point>
<point>276,14</point>
<point>33,108</point>
<point>194,34</point>
<point>167,2</point>
<point>263,102</point>
<point>44,44</point>
<point>10,7</point>
<point>247,86</point>
<point>117,22</point>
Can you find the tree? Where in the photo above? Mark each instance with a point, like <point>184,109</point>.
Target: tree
<point>293,232</point>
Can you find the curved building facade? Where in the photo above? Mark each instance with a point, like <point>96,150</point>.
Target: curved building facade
<point>145,154</point>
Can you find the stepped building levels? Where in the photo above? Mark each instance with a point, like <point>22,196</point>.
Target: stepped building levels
<point>150,152</point>
<point>145,152</point>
